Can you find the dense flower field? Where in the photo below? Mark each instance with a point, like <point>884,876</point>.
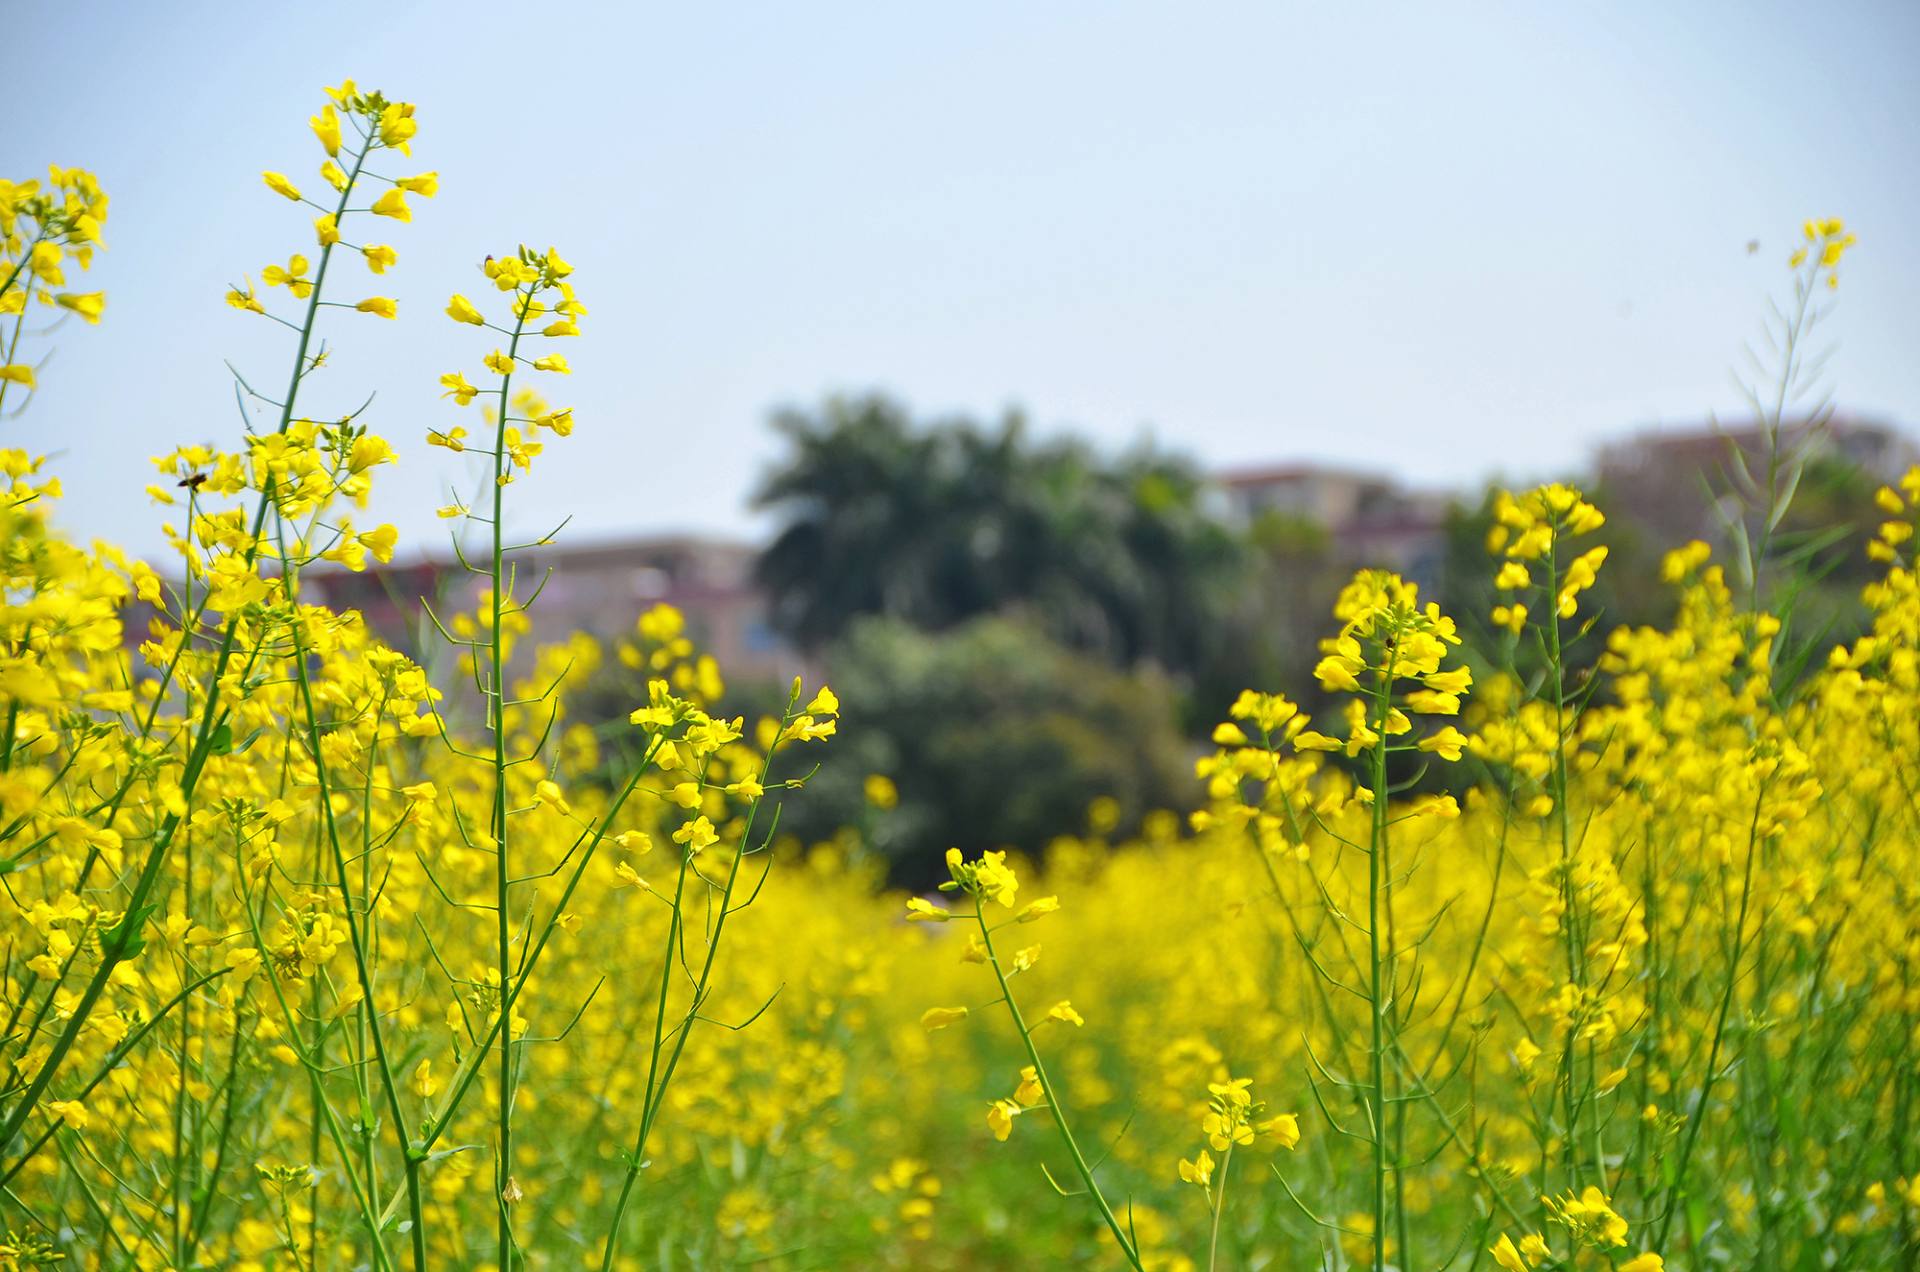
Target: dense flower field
<point>1504,958</point>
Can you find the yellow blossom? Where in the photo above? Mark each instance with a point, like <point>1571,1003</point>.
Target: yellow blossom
<point>393,203</point>
<point>460,309</point>
<point>940,1017</point>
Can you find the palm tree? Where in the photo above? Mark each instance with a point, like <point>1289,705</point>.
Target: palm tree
<point>940,524</point>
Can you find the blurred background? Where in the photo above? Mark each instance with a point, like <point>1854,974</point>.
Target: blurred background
<point>1037,374</point>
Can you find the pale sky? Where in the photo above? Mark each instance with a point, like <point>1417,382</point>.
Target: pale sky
<point>1442,240</point>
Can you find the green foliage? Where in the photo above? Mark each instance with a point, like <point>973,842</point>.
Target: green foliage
<point>994,735</point>
<point>942,523</point>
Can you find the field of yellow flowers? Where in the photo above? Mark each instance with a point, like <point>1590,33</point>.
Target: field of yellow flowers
<point>310,963</point>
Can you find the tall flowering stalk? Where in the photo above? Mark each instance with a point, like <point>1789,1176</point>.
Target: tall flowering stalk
<point>314,465</point>
<point>1790,408</point>
<point>535,287</point>
<point>1388,657</point>
<point>1533,532</point>
<point>682,761</point>
<point>990,880</point>
<point>704,742</point>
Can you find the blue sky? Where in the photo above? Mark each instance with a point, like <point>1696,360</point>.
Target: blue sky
<point>1447,240</point>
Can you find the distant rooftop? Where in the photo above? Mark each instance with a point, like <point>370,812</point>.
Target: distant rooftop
<point>1694,437</point>
<point>1864,439</point>
<point>600,587</point>
<point>1301,470</point>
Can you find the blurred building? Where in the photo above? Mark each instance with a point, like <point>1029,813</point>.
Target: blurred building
<point>1678,481</point>
<point>1368,519</point>
<point>597,588</point>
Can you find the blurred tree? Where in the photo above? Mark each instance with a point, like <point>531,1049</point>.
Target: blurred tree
<point>1271,634</point>
<point>994,735</point>
<point>936,525</point>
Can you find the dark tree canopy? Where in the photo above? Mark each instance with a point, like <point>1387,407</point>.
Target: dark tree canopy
<point>995,736</point>
<point>941,523</point>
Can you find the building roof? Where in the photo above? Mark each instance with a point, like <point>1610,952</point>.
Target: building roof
<point>598,553</point>
<point>1696,439</point>
<point>1269,474</point>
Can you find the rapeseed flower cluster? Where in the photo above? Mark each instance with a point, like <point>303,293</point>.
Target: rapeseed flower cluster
<point>45,228</point>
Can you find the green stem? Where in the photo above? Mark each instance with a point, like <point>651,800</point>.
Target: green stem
<point>1219,1207</point>
<point>1698,1115</point>
<point>1053,1098</point>
<point>496,706</point>
<point>1569,900</point>
<point>20,324</point>
<point>656,1092</point>
<point>587,845</point>
<point>357,940</point>
<point>1376,995</point>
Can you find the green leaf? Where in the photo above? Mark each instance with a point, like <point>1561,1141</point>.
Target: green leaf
<point>123,940</point>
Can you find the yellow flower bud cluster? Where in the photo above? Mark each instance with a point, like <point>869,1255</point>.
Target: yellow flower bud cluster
<point>1823,243</point>
<point>44,228</point>
<point>1530,528</point>
<point>1234,1119</point>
